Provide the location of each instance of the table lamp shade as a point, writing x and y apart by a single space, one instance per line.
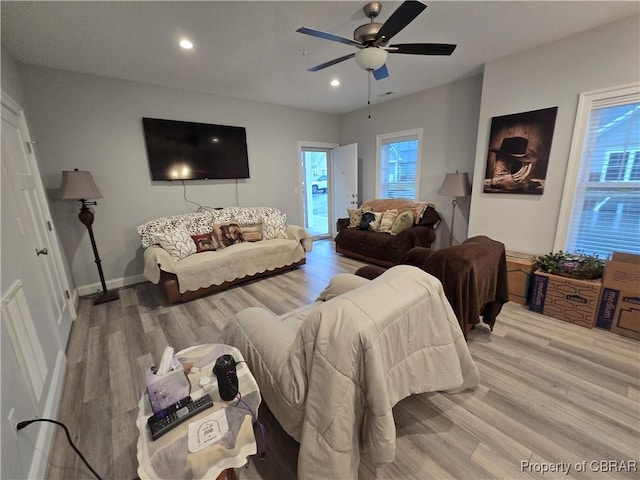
455 185
78 185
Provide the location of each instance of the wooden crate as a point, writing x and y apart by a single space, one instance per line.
519 270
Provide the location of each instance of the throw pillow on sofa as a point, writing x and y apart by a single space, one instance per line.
177 242
252 233
227 234
355 217
204 242
274 225
430 217
403 221
386 222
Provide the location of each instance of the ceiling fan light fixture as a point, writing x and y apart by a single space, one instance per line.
371 58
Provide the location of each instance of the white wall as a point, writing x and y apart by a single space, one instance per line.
547 76
448 116
94 123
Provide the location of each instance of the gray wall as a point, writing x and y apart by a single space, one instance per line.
10 80
448 116
547 76
94 123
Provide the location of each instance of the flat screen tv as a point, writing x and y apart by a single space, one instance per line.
195 151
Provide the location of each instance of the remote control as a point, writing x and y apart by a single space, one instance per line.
173 407
159 425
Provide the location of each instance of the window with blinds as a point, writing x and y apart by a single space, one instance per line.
605 211
398 164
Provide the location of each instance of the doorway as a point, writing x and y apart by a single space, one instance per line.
315 163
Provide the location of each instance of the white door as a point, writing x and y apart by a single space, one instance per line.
20 166
345 181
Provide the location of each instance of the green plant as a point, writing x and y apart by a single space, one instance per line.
574 265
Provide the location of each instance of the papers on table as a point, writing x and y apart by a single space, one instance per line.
208 430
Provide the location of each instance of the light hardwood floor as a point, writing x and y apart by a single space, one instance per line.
550 392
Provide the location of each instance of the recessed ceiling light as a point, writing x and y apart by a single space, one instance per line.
186 44
335 82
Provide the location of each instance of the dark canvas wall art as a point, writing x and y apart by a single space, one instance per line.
518 156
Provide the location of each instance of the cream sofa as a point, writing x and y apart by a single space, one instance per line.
332 371
183 274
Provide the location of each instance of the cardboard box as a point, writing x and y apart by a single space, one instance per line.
519 270
568 299
619 309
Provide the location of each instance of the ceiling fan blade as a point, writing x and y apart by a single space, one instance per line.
331 62
399 19
381 72
422 48
329 36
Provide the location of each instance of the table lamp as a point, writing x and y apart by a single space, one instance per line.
454 185
78 185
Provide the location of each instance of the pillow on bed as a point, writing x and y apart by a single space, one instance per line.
339 284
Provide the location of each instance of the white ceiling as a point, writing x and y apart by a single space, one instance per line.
251 50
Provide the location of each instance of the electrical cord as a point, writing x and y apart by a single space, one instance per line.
201 208
26 423
184 194
254 416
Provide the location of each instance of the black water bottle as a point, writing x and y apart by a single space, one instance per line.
225 371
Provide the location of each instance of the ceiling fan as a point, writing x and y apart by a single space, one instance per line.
372 38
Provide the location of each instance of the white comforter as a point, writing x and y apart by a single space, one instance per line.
333 383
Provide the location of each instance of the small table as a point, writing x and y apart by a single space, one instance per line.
168 457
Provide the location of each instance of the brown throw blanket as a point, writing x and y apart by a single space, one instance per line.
473 274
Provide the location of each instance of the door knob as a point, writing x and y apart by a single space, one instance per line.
42 251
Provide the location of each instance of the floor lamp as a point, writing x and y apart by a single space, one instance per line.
454 185
77 185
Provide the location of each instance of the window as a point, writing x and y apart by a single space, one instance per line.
398 171
600 210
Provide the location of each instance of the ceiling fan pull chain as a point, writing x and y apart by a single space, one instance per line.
369 92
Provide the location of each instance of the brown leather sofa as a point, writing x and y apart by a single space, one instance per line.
384 249
473 274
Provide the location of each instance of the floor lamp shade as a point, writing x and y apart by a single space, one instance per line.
78 185
454 185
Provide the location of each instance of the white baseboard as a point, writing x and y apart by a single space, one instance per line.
40 459
111 284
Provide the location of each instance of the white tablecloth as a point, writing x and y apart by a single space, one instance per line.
168 457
